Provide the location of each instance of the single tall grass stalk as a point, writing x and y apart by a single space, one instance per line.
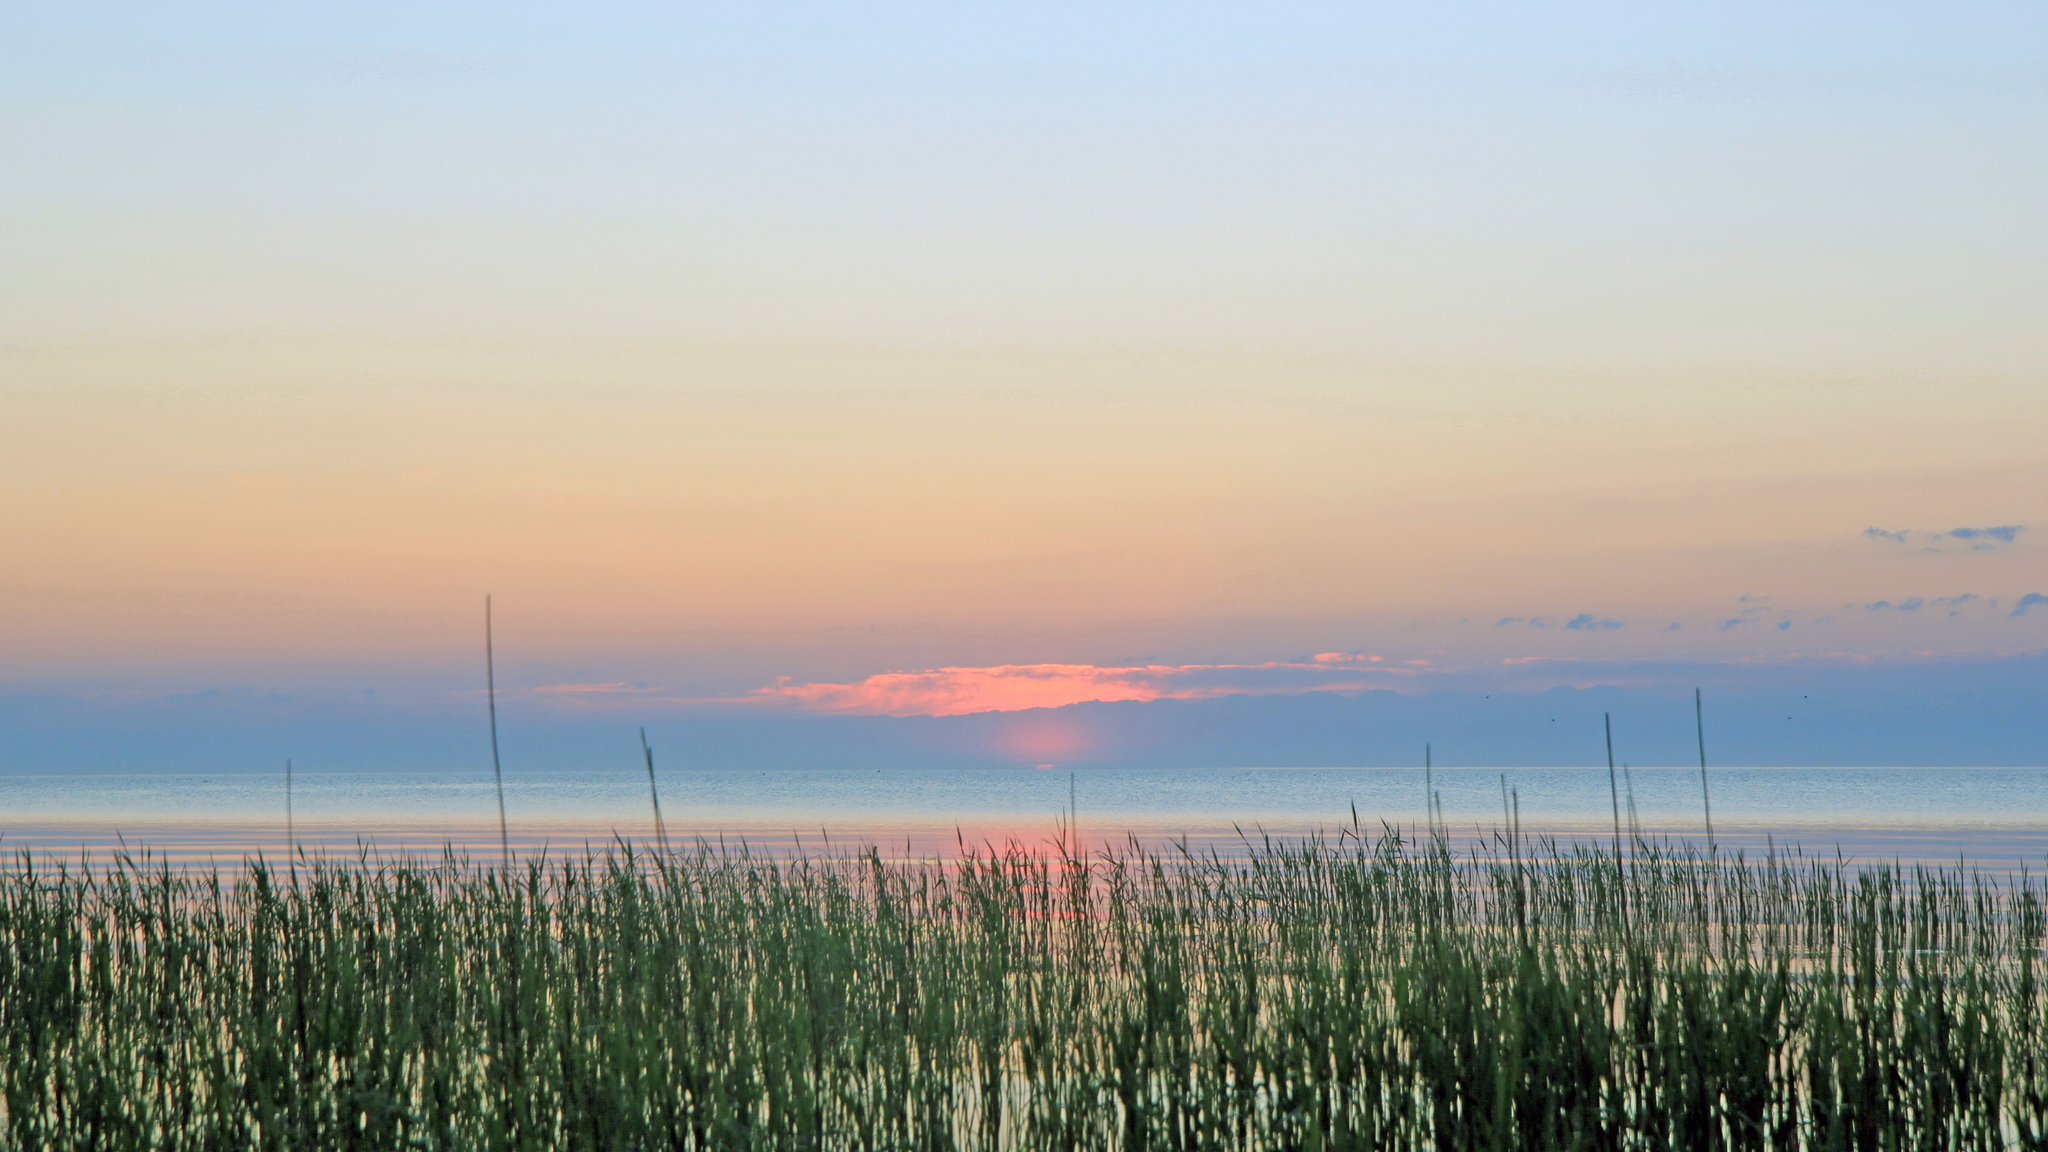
1429 802
654 794
491 702
1614 796
1699 724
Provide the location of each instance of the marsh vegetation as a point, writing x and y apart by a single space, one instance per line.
1359 991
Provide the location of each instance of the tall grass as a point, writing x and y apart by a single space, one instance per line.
1356 992
491 704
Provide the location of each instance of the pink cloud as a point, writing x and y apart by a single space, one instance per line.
1012 687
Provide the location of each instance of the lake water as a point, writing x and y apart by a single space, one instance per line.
1995 816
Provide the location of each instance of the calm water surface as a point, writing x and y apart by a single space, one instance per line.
1997 816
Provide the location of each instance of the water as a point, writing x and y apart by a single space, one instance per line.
1995 816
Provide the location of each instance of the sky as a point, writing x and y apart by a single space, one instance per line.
800 362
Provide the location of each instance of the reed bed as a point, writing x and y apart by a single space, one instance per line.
1361 991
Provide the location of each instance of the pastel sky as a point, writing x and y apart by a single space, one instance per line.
922 359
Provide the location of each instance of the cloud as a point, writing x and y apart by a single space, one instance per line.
1971 539
2028 603
1582 621
1954 604
1013 687
1759 607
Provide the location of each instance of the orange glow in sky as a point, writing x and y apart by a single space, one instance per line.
1012 687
